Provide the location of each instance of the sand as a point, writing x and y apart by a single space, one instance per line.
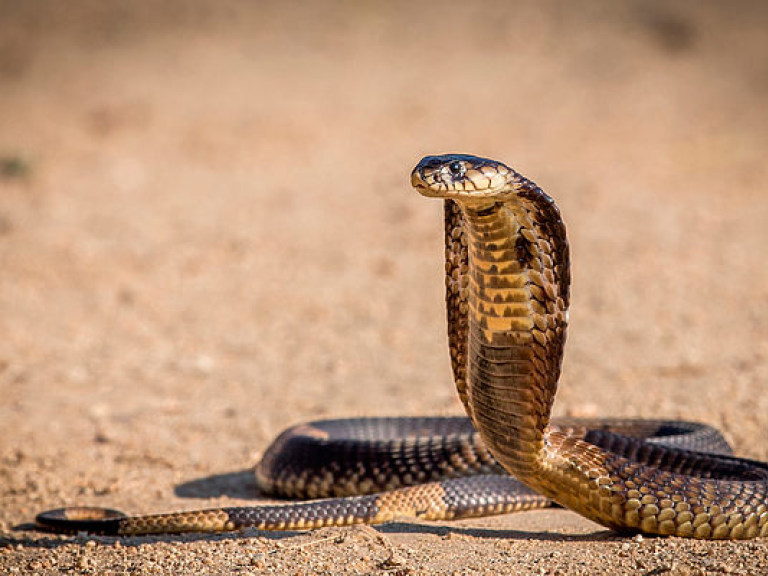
207 234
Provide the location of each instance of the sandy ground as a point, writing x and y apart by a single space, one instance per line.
207 234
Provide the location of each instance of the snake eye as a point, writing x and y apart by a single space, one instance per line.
457 169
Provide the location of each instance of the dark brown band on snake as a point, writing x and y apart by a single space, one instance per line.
508 281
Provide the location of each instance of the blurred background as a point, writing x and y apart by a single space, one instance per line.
207 231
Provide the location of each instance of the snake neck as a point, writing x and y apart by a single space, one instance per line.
515 302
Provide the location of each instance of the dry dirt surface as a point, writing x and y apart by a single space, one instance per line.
207 234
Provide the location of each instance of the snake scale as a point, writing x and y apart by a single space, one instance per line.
508 280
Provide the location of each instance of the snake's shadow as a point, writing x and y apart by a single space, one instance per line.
441 531
241 485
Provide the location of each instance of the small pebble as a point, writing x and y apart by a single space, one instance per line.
393 560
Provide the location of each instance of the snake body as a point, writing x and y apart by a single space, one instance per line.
507 297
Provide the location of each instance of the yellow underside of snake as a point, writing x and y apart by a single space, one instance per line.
507 296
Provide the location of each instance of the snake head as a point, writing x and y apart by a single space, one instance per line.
463 177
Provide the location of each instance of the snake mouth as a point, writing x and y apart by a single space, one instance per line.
462 177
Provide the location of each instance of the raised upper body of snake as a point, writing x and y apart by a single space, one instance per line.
507 277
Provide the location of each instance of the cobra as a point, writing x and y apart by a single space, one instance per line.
507 296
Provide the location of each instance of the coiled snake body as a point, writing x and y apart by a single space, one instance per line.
507 278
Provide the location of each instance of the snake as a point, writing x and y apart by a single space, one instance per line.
507 272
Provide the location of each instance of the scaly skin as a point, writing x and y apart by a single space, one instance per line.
515 321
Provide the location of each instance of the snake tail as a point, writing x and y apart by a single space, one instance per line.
446 500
